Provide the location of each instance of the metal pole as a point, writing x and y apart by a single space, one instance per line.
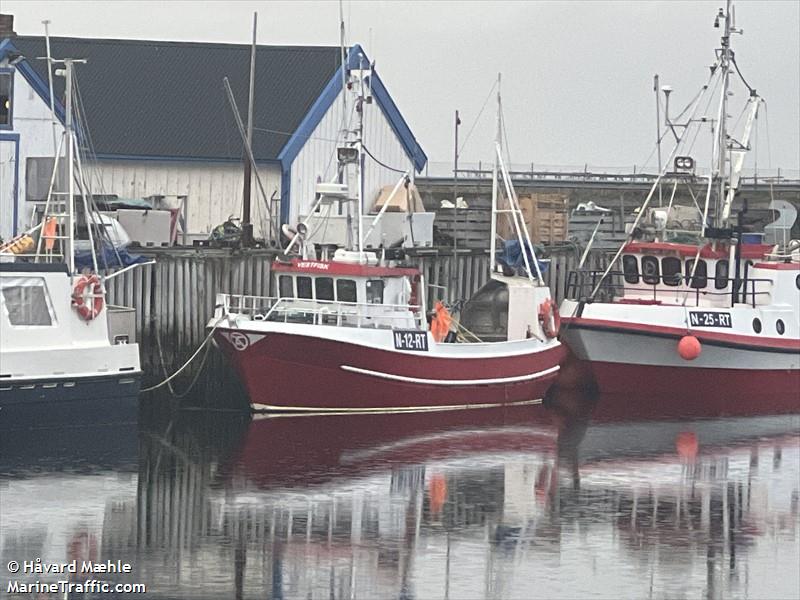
71 173
493 225
247 227
658 132
455 191
50 84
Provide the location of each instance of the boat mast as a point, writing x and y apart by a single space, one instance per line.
360 163
493 231
722 130
247 226
70 170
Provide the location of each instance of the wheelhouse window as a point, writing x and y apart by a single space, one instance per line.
650 270
6 98
304 287
375 291
26 302
700 279
285 286
671 270
346 290
721 275
323 288
630 268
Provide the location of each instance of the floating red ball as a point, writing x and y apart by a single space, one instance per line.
689 347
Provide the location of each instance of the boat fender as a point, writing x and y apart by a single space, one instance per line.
87 297
689 347
550 318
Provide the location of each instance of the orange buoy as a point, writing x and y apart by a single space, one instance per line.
687 445
437 492
689 347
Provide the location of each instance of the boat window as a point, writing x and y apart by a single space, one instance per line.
26 302
304 287
374 291
346 290
721 275
285 286
323 288
630 268
700 273
650 272
671 269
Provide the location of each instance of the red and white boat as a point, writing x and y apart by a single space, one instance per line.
351 333
717 318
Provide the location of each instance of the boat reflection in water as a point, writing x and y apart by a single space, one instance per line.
469 504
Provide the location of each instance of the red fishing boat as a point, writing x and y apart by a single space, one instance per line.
702 312
351 333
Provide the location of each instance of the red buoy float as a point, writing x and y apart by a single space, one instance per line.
689 347
87 297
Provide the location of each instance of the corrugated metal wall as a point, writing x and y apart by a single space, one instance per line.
214 190
318 156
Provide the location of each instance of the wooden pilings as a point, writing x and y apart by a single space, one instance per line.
174 298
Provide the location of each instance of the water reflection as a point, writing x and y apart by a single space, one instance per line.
477 504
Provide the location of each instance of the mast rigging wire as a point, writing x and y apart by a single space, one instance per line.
480 112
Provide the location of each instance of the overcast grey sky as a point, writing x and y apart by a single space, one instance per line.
577 76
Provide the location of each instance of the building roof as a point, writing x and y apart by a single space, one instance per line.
156 99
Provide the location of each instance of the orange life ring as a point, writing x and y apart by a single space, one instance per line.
549 318
87 297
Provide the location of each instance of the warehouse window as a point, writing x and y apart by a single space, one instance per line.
6 98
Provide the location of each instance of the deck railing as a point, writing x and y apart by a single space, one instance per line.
324 312
581 284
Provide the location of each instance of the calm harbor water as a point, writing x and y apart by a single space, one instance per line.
522 503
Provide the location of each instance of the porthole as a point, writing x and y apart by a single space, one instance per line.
780 327
797 282
757 325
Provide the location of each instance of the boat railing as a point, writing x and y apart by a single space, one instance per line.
324 312
748 290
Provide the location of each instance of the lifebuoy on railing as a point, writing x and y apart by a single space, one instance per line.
549 318
87 297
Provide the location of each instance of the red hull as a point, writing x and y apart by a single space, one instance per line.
291 371
695 392
309 450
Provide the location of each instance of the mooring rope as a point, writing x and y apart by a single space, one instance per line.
168 380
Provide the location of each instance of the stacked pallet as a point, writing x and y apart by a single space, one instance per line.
545 216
